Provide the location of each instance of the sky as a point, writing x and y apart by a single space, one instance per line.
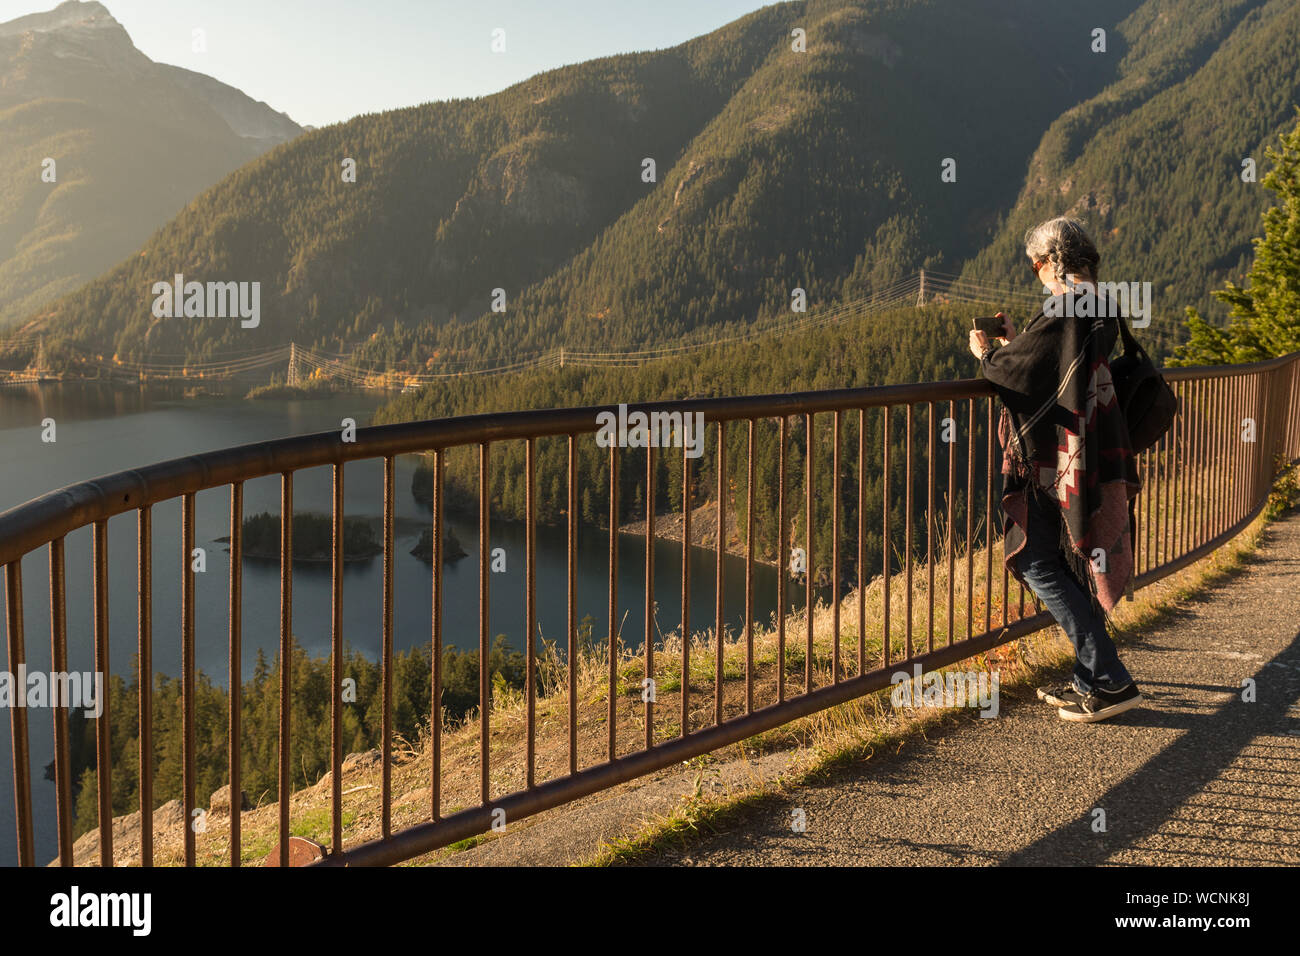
325 61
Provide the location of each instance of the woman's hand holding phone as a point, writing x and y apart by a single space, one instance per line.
998 327
1007 327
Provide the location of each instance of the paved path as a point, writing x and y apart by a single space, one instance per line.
1197 776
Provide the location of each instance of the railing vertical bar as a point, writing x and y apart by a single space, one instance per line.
1173 450
188 686
1243 456
1230 435
835 547
435 696
1006 601
988 522
286 656
1294 415
59 663
1257 405
952 493
484 691
929 526
1261 430
721 543
18 720
1148 463
571 627
530 611
144 648
1177 472
886 639
235 650
1182 469
648 640
1265 429
1188 470
862 541
612 709
970 515
782 560
386 729
810 596
1135 527
907 525
1206 444
1214 475
1221 489
687 507
103 725
749 575
1191 507
336 660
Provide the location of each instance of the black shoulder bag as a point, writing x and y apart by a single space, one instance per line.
1149 404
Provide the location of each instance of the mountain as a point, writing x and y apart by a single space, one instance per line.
776 169
132 142
1153 163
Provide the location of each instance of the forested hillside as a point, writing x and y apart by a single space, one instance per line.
100 146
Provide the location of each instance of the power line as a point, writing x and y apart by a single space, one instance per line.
931 286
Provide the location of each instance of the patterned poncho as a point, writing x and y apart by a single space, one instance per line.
1064 437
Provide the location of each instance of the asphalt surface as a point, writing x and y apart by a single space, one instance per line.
1196 776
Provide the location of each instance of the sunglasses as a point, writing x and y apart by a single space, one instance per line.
1035 266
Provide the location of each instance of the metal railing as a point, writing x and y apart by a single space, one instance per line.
1203 483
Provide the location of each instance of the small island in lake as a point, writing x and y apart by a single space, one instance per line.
313 538
451 549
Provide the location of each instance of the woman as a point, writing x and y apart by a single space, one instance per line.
1069 472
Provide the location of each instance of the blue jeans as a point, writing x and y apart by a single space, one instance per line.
1097 664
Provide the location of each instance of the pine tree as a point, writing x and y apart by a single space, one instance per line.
1265 318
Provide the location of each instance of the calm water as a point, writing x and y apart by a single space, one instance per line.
100 431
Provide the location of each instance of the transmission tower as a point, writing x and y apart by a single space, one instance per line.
293 376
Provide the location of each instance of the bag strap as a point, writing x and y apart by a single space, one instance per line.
1130 343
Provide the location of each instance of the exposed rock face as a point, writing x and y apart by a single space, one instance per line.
251 119
219 803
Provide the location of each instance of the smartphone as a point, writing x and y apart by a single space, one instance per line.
993 326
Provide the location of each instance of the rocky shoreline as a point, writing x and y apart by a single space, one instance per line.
704 530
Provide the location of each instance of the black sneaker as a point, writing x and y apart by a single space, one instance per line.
1102 704
1060 695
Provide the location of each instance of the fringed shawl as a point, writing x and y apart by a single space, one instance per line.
1064 438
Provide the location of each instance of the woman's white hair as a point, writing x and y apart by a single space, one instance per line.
1065 243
